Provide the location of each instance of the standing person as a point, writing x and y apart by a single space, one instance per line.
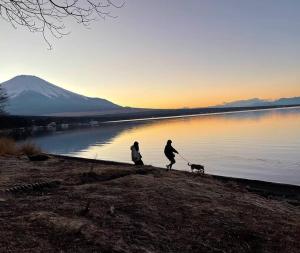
135 154
169 152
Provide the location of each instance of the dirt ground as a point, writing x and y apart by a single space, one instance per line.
69 205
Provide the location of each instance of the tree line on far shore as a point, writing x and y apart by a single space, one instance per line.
3 100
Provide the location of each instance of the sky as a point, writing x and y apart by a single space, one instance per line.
169 53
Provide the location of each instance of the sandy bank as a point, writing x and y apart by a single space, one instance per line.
140 210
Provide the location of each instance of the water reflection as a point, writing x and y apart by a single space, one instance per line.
74 141
259 145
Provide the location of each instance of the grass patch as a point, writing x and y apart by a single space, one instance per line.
29 148
9 147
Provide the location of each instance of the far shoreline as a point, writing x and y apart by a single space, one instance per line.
28 123
203 114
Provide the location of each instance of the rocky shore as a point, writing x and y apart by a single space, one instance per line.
79 205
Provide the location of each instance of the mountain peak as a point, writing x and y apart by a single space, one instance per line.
31 95
27 83
26 76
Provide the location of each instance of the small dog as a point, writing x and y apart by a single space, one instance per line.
198 167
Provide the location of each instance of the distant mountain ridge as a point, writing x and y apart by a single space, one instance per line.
262 102
31 95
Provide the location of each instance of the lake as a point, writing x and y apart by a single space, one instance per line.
263 145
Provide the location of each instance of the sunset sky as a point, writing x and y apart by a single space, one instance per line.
169 53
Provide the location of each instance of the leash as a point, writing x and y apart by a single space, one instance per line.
184 158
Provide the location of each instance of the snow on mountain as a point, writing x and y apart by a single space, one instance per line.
20 84
30 95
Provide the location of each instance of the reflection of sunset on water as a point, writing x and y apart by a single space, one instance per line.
253 124
258 145
238 144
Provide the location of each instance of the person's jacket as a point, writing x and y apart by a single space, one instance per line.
169 151
135 155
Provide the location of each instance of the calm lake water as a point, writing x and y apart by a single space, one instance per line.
263 145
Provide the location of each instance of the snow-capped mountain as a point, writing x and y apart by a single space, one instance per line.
30 95
20 84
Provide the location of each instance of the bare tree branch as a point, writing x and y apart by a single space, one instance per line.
48 16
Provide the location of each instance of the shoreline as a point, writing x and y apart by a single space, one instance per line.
11 122
223 178
263 188
204 114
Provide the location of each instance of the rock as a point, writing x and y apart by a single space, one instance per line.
38 157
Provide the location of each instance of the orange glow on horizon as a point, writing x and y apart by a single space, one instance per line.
197 99
199 94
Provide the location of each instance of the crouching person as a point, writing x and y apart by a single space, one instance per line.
135 154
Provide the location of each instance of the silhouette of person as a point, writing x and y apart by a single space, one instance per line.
135 154
169 153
